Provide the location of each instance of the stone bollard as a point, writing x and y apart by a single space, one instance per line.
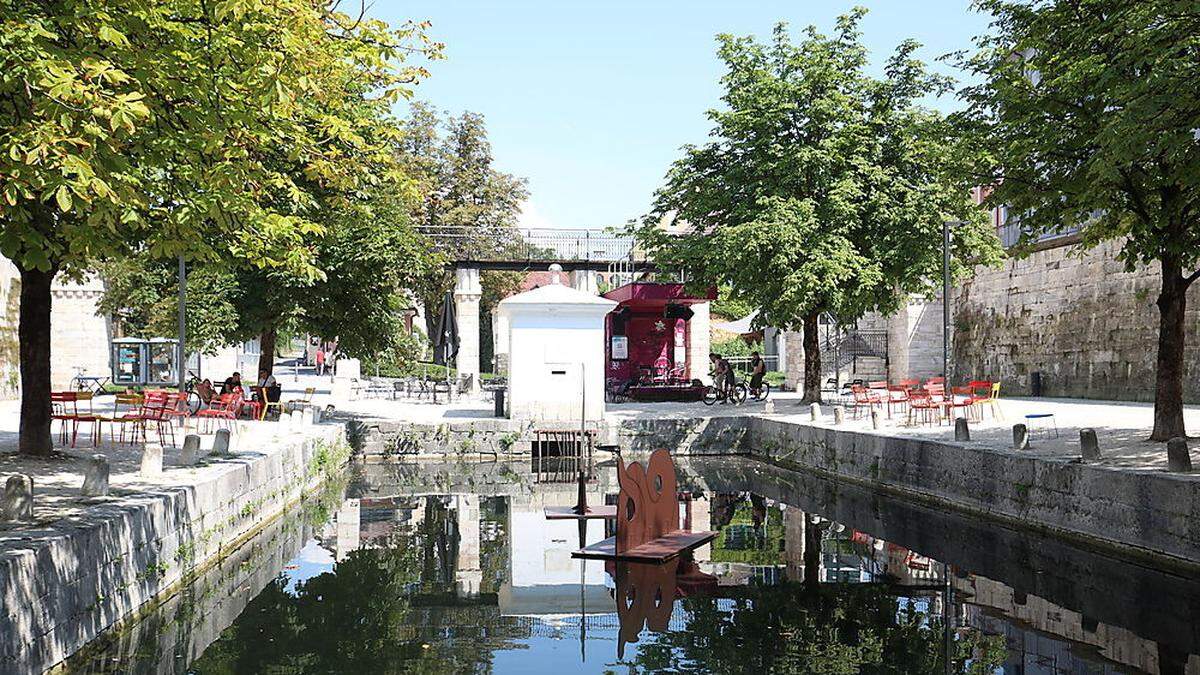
221 442
152 459
317 414
306 416
191 449
839 415
18 499
962 432
1020 437
95 477
769 407
814 411
1178 457
874 419
284 420
1089 447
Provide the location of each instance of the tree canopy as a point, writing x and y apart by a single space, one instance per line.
181 127
1089 114
824 190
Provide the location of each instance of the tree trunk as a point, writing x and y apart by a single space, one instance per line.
812 359
33 333
266 357
1168 385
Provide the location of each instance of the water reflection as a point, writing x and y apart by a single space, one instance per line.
804 576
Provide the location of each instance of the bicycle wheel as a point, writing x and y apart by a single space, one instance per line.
763 392
711 395
193 402
738 393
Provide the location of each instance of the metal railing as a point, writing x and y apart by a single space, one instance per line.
847 346
519 244
742 363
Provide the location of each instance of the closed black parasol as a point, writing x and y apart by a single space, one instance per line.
445 343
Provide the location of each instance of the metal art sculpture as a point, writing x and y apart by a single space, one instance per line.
647 519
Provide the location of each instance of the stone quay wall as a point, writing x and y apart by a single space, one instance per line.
1137 513
1088 325
65 583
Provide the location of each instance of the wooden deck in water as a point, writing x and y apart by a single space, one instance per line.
657 550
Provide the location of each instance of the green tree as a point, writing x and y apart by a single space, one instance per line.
155 126
464 197
824 190
1090 111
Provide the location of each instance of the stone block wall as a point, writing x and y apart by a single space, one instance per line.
1081 319
77 581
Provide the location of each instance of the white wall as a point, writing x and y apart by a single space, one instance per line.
546 353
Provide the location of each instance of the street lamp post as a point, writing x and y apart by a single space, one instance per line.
946 225
182 323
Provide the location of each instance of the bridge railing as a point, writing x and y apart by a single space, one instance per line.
516 244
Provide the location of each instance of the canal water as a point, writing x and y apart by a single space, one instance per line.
452 568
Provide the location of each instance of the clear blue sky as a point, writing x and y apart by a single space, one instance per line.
591 100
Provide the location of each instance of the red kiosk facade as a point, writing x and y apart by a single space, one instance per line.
647 345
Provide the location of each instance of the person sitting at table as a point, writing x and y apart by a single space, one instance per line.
266 380
204 389
232 383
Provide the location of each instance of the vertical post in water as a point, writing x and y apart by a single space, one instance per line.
182 362
946 302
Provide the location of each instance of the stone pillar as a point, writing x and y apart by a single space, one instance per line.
467 572
700 341
500 342
585 280
701 509
349 520
793 354
794 522
467 292
897 346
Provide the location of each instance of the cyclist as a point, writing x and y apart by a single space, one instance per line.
758 370
722 375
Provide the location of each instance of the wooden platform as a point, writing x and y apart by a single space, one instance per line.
568 513
654 551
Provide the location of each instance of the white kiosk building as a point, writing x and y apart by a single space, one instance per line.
555 340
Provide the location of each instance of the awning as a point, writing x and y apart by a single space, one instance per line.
655 296
742 326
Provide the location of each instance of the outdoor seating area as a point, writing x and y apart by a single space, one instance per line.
133 414
923 403
416 388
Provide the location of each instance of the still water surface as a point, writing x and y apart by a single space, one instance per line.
452 568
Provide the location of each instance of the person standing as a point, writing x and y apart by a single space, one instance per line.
758 370
320 359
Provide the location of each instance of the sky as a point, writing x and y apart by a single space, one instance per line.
590 101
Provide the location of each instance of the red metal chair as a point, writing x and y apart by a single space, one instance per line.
961 397
63 407
897 396
921 404
154 410
861 396
223 409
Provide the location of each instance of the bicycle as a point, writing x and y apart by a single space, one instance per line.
761 393
736 394
193 399
89 383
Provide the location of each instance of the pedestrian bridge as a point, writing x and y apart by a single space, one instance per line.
521 248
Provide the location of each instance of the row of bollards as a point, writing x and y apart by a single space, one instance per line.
16 505
1179 458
